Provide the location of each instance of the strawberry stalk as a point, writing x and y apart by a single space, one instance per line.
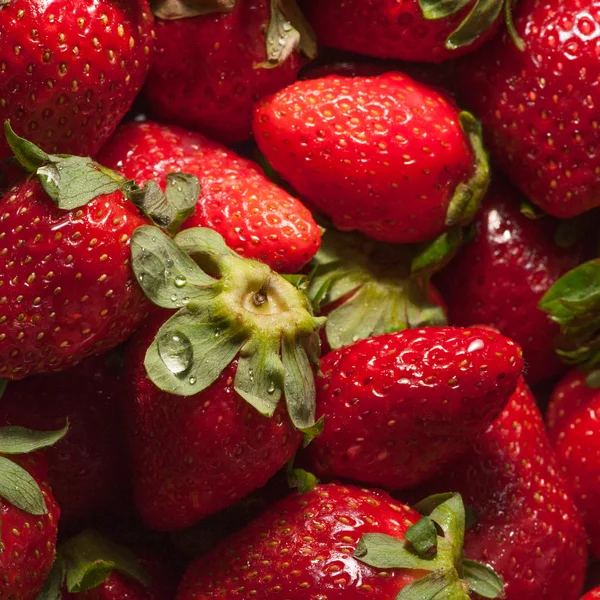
228 307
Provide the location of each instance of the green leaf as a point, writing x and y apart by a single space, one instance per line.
300 282
168 276
423 537
20 489
448 511
3 386
440 9
299 383
484 581
91 558
52 589
28 154
593 379
300 479
510 26
442 585
205 246
480 19
386 552
531 211
436 254
310 433
185 9
18 440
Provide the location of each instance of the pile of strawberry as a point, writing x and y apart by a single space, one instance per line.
299 299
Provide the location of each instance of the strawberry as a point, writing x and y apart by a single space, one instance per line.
341 542
527 529
398 408
384 155
28 512
572 428
411 30
538 106
207 419
256 218
68 291
70 69
86 468
592 595
500 277
216 58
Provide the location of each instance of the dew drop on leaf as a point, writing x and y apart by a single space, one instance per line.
180 281
176 352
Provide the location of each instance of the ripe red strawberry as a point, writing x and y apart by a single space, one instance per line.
500 277
211 69
257 218
592 595
538 107
206 392
322 545
411 30
86 469
573 429
527 529
384 155
70 69
66 286
398 408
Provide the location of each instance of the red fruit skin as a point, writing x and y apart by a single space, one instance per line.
86 468
71 69
400 407
206 74
195 455
258 219
538 107
388 29
121 587
302 548
499 278
528 528
67 290
381 155
592 595
572 422
28 542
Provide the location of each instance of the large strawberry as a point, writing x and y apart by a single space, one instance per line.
538 107
384 155
28 512
572 422
215 59
398 408
411 30
341 542
66 286
86 469
208 420
70 69
499 278
257 218
527 528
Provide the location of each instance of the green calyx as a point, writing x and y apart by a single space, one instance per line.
17 486
184 9
480 19
87 561
371 288
228 307
433 544
287 31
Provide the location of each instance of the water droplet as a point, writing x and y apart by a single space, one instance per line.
192 380
281 42
180 281
169 262
173 298
217 332
175 350
271 388
287 26
141 276
251 374
179 188
475 345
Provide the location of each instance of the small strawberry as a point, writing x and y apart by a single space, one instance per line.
28 512
411 30
86 468
572 421
256 218
384 155
66 286
398 408
527 529
341 542
71 69
500 277
538 106
208 420
216 58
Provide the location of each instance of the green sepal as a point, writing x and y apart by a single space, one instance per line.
435 255
310 433
19 440
482 580
28 154
299 479
20 489
532 211
510 26
423 537
440 9
287 31
299 384
468 195
441 585
3 386
4 3
185 9
90 558
53 585
592 379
